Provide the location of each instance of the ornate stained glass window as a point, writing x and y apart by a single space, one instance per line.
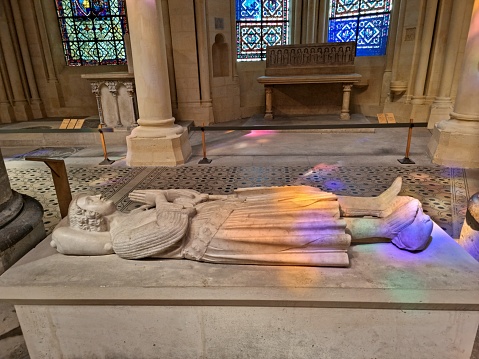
92 31
363 21
260 23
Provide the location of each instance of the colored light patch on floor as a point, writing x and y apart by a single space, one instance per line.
261 133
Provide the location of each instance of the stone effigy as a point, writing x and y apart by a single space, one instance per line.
297 225
469 237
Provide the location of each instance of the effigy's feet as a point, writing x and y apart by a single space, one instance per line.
380 206
410 228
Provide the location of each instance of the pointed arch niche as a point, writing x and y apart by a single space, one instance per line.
220 57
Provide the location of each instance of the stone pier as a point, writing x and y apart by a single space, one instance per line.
21 225
455 141
157 141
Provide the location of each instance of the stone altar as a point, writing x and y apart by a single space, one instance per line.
328 63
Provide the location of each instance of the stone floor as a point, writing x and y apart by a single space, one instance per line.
360 163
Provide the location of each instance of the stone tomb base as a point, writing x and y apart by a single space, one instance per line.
388 304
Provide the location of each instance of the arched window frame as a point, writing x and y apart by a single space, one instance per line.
364 21
92 31
260 23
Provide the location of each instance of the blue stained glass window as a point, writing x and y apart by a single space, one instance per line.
260 23
363 21
92 31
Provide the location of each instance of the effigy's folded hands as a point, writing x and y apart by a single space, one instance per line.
148 197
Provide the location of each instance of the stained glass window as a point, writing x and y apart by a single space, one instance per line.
92 31
260 23
363 21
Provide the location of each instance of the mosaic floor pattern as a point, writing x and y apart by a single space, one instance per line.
443 191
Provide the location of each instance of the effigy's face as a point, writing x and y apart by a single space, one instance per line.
473 206
97 204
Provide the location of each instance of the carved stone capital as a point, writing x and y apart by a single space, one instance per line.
130 87
112 87
95 87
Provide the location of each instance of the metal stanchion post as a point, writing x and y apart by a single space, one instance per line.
406 160
106 160
204 160
60 181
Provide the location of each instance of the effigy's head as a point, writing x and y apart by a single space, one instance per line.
473 206
88 213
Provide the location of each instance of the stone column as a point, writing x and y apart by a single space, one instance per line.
35 101
311 15
442 105
346 99
268 90
394 29
130 89
21 107
21 225
455 141
157 141
424 52
112 87
203 60
6 110
95 88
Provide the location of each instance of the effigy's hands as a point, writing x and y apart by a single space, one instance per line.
147 197
186 197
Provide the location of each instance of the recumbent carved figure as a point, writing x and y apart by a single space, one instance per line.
297 225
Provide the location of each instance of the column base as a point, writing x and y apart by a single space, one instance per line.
38 109
7 115
454 143
440 110
344 116
200 111
158 151
22 233
420 112
23 111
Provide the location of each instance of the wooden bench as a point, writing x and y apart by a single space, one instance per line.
310 64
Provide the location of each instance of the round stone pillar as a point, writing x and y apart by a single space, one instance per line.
21 225
442 105
157 141
455 141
